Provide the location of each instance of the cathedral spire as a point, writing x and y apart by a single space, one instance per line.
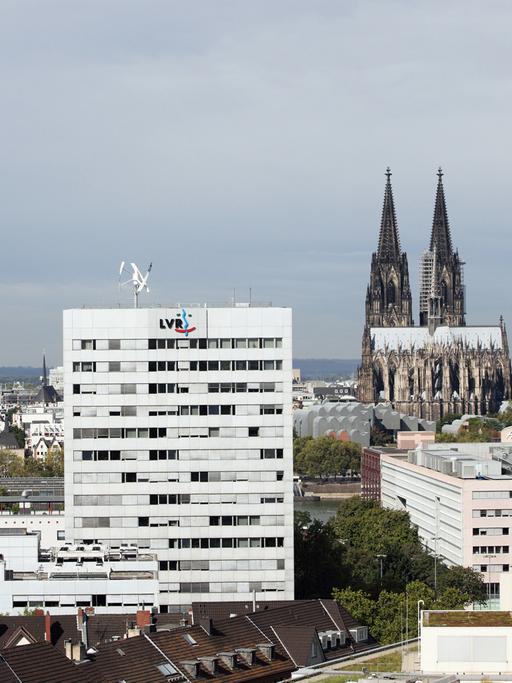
441 239
388 297
389 240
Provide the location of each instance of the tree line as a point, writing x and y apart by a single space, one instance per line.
12 465
325 457
344 558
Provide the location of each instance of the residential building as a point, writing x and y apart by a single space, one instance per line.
266 646
460 500
178 439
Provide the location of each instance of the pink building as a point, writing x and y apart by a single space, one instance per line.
459 499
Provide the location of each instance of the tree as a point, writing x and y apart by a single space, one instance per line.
318 558
358 603
11 465
54 463
465 580
326 456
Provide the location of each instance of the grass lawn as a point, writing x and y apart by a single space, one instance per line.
389 661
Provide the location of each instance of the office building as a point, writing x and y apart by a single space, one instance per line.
460 500
179 440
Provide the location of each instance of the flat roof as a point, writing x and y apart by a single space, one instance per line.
466 618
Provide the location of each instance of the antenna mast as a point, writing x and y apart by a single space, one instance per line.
138 281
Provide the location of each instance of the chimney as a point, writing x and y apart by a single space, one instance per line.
143 618
78 651
228 659
81 625
133 631
191 667
67 648
210 663
247 654
267 649
207 625
48 627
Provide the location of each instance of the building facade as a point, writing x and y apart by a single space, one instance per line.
460 502
443 366
179 439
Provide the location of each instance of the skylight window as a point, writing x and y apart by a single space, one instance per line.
166 669
189 639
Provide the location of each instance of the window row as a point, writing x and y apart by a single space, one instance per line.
100 600
492 513
177 366
490 549
220 565
481 495
175 432
222 587
491 567
172 388
142 344
491 531
182 477
236 476
224 343
206 543
244 520
133 411
244 387
171 454
195 521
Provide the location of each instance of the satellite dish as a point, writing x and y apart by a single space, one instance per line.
138 281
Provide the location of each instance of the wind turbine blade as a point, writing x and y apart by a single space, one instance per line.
121 268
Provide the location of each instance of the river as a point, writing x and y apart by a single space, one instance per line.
322 510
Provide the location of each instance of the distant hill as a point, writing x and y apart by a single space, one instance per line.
20 372
326 368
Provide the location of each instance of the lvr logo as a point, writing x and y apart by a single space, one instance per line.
180 323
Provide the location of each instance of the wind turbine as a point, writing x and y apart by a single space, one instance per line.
138 281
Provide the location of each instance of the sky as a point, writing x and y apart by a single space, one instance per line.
242 146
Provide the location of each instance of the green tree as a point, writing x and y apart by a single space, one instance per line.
11 465
358 603
465 580
54 463
318 558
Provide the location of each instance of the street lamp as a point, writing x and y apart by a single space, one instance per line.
435 539
422 603
381 559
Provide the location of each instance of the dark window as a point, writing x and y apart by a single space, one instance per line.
143 521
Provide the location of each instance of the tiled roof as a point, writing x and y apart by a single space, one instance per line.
224 610
100 627
297 641
41 663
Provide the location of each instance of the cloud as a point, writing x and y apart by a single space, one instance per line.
243 145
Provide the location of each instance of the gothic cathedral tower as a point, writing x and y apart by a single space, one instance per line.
388 297
442 284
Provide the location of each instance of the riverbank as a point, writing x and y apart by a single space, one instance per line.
332 491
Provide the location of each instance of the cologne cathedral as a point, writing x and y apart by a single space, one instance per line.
443 365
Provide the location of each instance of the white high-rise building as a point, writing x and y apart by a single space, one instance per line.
178 426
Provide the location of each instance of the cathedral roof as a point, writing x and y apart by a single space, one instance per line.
441 239
396 338
389 240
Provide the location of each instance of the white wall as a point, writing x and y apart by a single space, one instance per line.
480 650
47 525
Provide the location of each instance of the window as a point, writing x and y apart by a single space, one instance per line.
166 669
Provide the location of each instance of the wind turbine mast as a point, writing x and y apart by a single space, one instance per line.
138 281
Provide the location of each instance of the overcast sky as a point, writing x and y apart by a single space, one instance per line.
242 144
